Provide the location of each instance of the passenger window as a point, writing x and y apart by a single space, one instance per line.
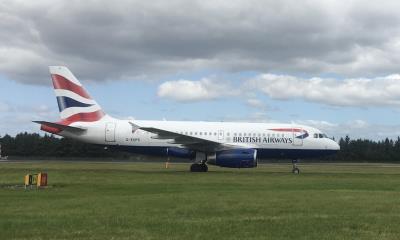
315 135
195 133
240 134
200 133
235 134
215 134
320 135
244 134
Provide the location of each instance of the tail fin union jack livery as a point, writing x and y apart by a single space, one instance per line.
225 144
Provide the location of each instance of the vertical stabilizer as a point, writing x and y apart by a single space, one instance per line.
74 102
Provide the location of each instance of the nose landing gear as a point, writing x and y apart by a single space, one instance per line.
295 169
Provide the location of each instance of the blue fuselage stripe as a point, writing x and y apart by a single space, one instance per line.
262 153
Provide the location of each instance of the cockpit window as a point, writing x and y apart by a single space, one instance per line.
320 135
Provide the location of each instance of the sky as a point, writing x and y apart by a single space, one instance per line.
333 65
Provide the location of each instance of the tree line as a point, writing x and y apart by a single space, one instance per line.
32 145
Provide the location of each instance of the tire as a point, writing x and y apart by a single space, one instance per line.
195 167
204 167
296 171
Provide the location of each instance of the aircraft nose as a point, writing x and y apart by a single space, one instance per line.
334 146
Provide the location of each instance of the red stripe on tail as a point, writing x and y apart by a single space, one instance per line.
60 82
49 129
79 117
83 117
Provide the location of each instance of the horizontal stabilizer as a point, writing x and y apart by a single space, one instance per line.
61 127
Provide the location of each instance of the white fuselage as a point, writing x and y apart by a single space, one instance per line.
121 133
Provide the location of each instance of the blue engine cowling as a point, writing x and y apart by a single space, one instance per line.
180 152
236 158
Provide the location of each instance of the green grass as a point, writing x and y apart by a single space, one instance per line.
145 201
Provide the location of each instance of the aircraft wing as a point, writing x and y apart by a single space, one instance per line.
195 143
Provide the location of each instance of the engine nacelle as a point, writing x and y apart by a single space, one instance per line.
180 152
236 158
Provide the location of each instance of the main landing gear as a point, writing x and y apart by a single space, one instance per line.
199 164
295 169
199 167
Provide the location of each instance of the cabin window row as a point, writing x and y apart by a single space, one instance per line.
228 134
199 133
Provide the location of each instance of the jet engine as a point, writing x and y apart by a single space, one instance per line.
235 158
180 152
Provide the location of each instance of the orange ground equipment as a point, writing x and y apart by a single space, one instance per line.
40 180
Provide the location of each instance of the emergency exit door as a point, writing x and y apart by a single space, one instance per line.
110 132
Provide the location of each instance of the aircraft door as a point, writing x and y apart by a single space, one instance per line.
297 137
110 132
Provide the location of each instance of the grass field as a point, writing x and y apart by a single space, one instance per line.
145 201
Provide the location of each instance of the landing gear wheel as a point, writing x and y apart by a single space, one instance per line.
204 167
296 170
196 167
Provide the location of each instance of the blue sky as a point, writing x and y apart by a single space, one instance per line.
330 65
139 100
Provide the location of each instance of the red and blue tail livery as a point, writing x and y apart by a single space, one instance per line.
74 102
225 144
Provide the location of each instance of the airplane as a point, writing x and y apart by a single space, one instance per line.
225 144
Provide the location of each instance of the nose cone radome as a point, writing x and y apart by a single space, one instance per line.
334 146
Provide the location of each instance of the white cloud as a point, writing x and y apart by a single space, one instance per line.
351 92
185 90
320 124
106 40
19 118
256 103
4 107
357 128
360 92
